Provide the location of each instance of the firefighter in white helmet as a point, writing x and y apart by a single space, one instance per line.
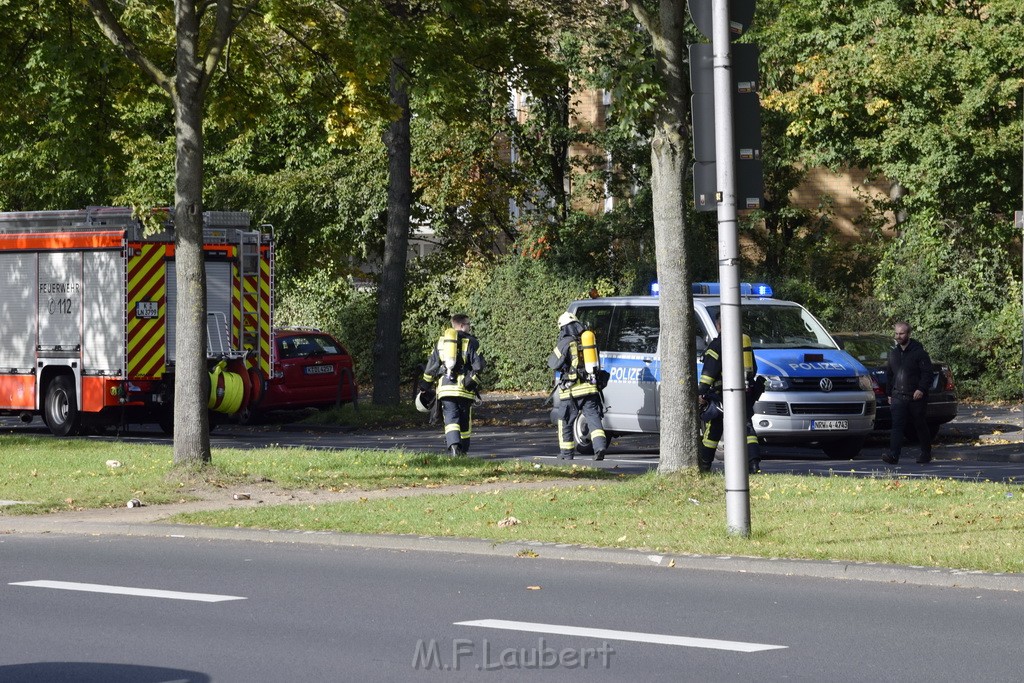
452 372
579 380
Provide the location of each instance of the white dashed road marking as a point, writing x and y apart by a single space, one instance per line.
633 636
127 590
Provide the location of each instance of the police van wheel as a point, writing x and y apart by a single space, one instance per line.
61 410
843 450
581 435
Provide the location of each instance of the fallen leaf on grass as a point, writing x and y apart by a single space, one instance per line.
508 521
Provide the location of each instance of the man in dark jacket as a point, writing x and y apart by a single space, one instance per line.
908 378
454 367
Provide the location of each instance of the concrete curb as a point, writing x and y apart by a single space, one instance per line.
834 569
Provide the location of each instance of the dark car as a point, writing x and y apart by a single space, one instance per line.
311 370
872 350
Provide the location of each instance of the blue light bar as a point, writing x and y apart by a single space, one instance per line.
759 289
746 289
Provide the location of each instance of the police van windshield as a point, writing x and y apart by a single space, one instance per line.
781 327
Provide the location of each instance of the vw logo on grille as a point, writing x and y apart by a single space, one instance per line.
825 384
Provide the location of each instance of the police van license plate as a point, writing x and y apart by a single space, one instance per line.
829 425
319 369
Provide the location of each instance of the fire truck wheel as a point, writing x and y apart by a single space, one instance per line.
61 409
166 422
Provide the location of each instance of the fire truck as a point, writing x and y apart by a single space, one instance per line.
87 316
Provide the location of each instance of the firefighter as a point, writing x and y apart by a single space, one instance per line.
710 394
578 388
452 373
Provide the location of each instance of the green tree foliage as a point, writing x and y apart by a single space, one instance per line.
926 95
963 299
71 107
517 317
514 304
572 164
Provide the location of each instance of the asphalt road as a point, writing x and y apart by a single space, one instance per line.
84 609
200 605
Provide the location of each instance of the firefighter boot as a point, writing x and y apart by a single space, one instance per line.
565 455
705 457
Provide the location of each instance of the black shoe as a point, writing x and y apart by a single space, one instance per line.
754 467
924 459
890 458
598 455
565 456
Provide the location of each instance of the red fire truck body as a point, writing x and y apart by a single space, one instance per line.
88 316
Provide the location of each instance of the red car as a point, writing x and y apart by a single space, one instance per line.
311 370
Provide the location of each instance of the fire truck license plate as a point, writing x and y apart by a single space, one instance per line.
319 369
829 425
146 309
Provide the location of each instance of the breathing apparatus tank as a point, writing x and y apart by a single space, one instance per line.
450 351
748 361
591 360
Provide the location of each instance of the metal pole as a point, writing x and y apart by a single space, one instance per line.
737 491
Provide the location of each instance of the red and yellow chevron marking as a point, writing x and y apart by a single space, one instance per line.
245 312
236 307
265 318
147 285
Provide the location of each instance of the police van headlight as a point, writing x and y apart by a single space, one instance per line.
775 383
864 382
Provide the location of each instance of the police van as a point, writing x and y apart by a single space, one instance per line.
815 392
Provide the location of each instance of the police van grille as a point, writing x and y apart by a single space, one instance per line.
814 383
827 408
772 408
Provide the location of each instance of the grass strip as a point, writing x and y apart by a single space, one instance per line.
50 475
940 523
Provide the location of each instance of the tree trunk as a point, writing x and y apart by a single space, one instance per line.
391 290
678 407
187 93
191 420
